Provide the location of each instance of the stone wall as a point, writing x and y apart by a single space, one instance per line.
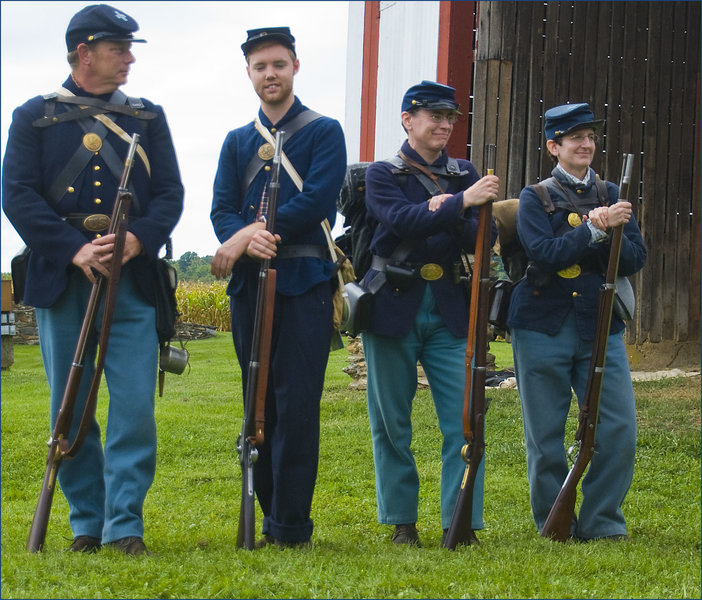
26 326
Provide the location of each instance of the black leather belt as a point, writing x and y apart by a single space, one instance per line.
92 223
302 251
427 271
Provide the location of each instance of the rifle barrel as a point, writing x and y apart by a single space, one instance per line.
59 447
560 518
460 530
252 430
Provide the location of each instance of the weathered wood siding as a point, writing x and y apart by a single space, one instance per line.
638 66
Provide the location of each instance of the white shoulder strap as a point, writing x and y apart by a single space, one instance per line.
287 165
297 180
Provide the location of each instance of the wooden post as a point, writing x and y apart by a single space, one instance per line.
8 325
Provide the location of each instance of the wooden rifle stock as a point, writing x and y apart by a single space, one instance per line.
560 518
252 430
59 447
460 530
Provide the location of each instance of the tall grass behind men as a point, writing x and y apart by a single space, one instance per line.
552 319
61 172
420 313
286 470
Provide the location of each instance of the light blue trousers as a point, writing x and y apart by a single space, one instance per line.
106 490
547 367
392 384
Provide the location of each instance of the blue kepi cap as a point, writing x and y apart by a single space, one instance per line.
430 95
281 35
100 22
559 120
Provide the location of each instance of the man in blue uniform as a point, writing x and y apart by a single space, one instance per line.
60 177
420 312
286 470
552 319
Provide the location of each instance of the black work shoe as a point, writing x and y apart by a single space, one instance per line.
85 543
472 540
269 540
282 544
266 540
131 545
406 533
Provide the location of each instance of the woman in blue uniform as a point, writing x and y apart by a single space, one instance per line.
420 313
552 319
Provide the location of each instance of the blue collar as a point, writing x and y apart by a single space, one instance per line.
71 86
295 109
439 162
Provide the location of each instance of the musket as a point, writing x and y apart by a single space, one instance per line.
560 517
252 429
59 447
460 530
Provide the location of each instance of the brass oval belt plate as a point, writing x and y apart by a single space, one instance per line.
266 151
431 272
570 272
92 142
574 219
96 222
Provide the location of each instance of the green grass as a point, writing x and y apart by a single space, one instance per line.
191 512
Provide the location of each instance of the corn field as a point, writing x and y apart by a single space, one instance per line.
204 303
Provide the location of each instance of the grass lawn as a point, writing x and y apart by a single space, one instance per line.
191 512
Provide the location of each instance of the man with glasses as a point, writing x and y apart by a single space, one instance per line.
420 309
552 320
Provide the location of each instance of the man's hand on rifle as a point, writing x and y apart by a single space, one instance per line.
241 243
132 247
88 260
97 255
604 217
263 245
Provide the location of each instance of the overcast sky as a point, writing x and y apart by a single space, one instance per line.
193 66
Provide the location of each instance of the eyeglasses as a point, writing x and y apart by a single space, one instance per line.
438 117
579 138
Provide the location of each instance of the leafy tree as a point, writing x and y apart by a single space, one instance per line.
186 259
192 267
